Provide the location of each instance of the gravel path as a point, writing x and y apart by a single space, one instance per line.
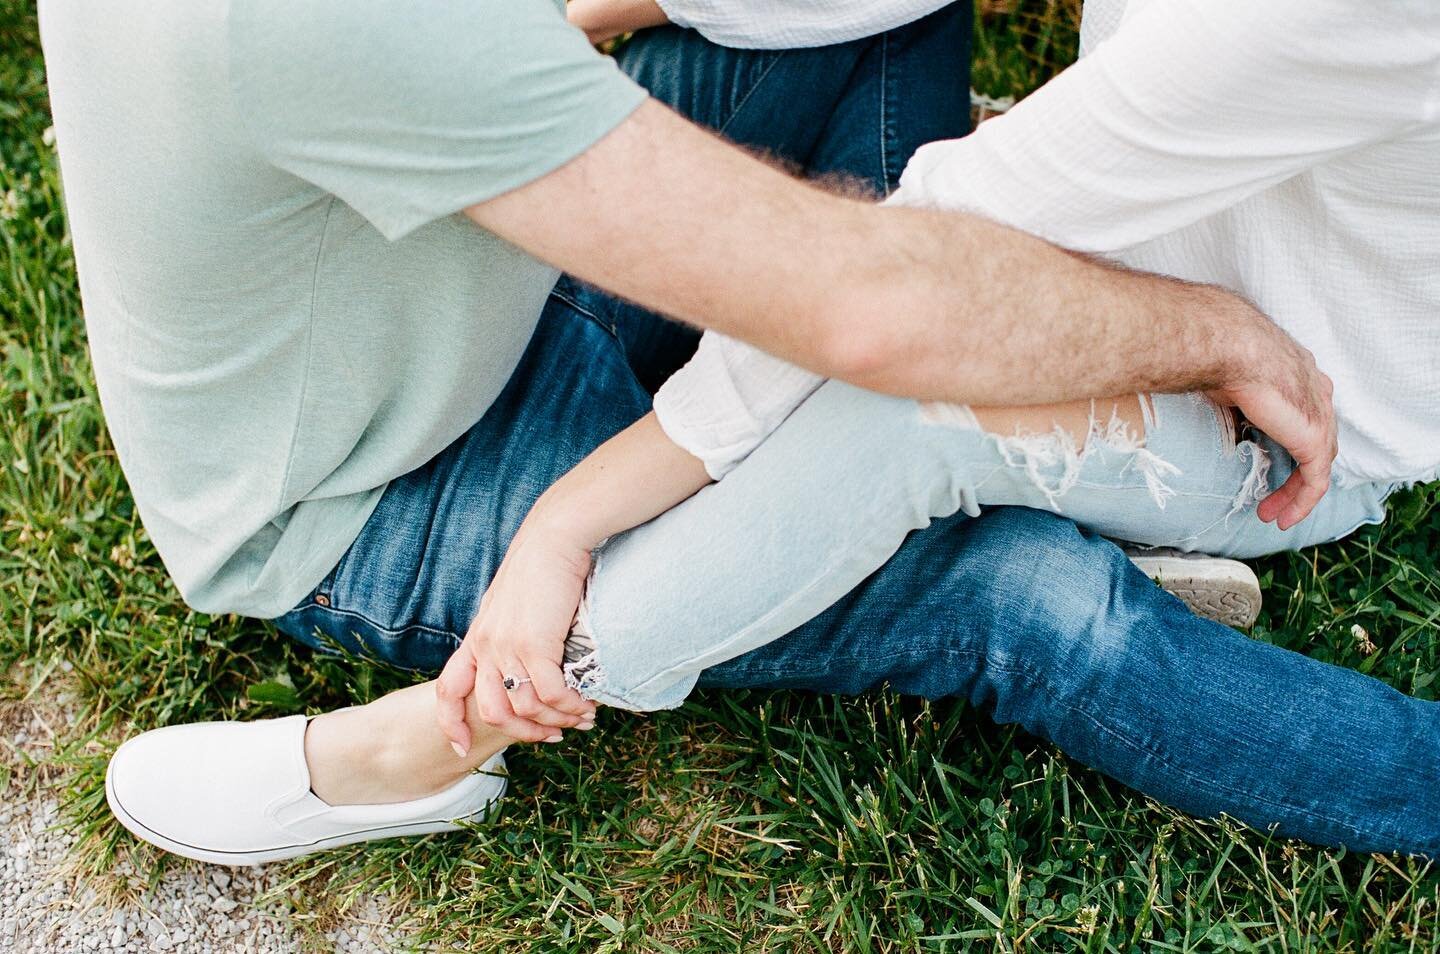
47 906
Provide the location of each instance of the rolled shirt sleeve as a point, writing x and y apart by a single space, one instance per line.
792 24
727 400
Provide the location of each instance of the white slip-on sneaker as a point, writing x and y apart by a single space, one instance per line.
1226 591
238 793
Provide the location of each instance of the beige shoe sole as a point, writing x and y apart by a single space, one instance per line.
1226 591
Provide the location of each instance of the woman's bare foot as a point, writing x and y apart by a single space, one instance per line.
391 750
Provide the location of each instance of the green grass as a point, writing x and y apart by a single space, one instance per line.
744 821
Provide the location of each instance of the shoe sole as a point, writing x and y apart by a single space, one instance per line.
240 859
1226 591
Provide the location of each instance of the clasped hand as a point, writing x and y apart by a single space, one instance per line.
519 633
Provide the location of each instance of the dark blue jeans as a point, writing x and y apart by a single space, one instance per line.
1018 611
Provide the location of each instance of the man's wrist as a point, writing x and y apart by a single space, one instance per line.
1241 345
1257 346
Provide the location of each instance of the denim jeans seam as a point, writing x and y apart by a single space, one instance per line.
884 137
1181 495
385 630
332 579
740 106
571 301
1140 485
1205 531
998 470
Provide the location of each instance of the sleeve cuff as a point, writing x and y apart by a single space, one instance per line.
685 438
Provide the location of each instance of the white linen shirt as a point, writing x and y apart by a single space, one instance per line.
788 24
1286 150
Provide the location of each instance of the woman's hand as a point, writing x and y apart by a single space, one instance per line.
520 633
604 20
526 613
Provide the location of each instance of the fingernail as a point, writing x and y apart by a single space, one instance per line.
555 738
459 749
586 726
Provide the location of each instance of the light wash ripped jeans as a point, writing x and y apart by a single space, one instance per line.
833 493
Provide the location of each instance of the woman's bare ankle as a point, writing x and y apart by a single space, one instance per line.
390 750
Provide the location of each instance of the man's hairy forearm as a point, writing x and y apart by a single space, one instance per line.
913 302
998 317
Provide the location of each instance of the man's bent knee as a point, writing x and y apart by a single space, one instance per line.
1055 620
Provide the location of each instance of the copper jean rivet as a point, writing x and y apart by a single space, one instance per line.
322 600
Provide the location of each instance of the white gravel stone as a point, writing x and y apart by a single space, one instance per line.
46 907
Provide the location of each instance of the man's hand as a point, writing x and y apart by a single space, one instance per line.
520 632
1290 399
604 20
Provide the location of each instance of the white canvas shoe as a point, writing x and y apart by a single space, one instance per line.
1226 591
238 793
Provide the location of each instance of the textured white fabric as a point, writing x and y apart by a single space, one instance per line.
721 405
791 24
1288 150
